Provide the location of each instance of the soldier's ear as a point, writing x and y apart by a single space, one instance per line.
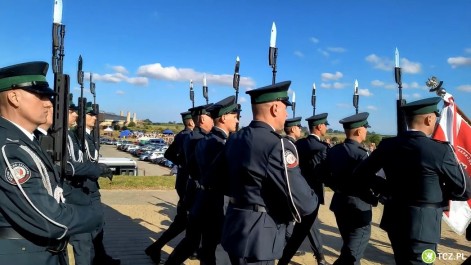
14 96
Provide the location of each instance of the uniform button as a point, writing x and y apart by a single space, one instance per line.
23 248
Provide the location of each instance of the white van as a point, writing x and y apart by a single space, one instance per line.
120 165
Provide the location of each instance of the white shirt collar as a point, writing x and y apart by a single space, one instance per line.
42 130
28 134
317 136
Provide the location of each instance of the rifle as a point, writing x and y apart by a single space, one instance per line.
61 87
401 119
192 94
96 109
235 85
313 99
82 102
356 97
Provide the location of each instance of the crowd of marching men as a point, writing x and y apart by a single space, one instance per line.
274 183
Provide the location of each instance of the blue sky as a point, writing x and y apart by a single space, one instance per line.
144 53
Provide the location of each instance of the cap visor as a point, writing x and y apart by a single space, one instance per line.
40 91
287 102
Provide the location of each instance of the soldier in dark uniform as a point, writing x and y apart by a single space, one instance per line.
174 153
422 174
207 214
34 220
266 186
203 125
91 155
351 208
312 155
78 185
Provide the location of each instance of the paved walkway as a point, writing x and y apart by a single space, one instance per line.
134 219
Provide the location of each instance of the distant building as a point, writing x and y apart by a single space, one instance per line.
110 119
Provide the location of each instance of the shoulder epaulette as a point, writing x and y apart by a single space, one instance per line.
277 134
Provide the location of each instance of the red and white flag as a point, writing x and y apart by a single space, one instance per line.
454 129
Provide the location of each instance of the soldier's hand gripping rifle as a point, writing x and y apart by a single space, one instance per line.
81 107
61 87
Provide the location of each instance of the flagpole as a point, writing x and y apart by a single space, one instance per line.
436 86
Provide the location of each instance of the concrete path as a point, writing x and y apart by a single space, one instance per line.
134 219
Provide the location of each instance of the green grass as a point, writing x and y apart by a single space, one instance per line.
138 183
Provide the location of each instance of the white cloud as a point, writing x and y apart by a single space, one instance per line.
119 77
335 85
377 83
459 61
414 85
120 92
464 88
171 73
410 67
388 64
241 100
120 69
336 49
371 107
298 54
321 51
364 92
338 85
314 40
331 77
467 50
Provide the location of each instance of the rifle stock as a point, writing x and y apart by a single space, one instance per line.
60 121
81 122
96 129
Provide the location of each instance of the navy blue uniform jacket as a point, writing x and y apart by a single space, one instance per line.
419 172
33 213
175 154
263 169
312 156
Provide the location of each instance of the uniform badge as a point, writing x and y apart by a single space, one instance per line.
22 173
290 158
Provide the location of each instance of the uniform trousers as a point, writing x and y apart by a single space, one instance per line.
176 227
307 227
409 252
205 222
355 229
82 245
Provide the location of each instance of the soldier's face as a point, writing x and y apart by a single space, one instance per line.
33 107
231 120
72 117
49 114
90 120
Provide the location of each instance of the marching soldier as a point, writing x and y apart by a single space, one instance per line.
77 184
422 174
312 155
203 125
265 183
293 129
207 214
350 205
34 220
91 155
174 153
